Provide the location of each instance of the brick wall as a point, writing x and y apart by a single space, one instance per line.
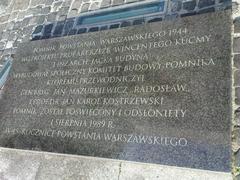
236 93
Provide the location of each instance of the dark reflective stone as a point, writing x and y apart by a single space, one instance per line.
176 5
58 29
155 20
114 26
38 29
125 24
138 22
224 1
188 14
102 28
36 38
189 5
48 28
68 26
72 32
82 30
47 31
93 29
205 3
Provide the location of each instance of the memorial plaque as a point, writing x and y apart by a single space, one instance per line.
156 93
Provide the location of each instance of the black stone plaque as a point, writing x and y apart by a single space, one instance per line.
156 93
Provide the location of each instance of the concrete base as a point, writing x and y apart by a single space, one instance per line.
30 165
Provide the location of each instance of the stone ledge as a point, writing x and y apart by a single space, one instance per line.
28 165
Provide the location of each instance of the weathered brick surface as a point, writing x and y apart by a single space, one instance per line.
105 3
237 94
26 21
56 6
67 3
21 4
37 2
237 117
236 45
4 18
237 25
5 35
2 45
236 60
3 5
94 6
2 27
49 2
51 17
237 78
21 15
73 13
17 25
85 7
118 2
13 16
62 12
77 4
37 20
